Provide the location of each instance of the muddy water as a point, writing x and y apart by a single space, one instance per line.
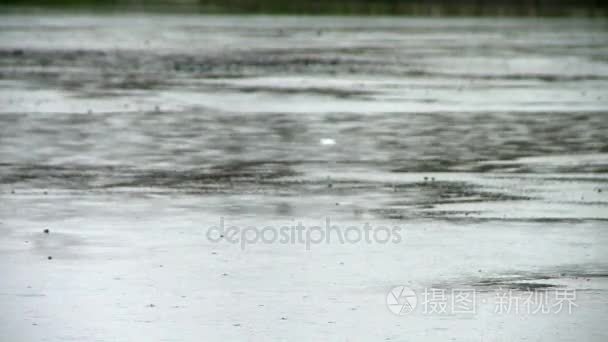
129 135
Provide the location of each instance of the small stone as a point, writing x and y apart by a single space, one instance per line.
283 318
46 231
50 257
225 274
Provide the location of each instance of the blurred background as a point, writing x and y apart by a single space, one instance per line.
343 7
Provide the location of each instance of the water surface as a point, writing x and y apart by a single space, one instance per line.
129 135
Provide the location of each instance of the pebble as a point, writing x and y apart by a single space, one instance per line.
50 257
46 231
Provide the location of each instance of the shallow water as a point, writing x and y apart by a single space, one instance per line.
129 135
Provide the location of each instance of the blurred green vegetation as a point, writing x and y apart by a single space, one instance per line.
332 7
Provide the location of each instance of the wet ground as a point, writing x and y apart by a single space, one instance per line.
128 136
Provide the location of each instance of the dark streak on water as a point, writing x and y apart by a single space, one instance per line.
157 110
